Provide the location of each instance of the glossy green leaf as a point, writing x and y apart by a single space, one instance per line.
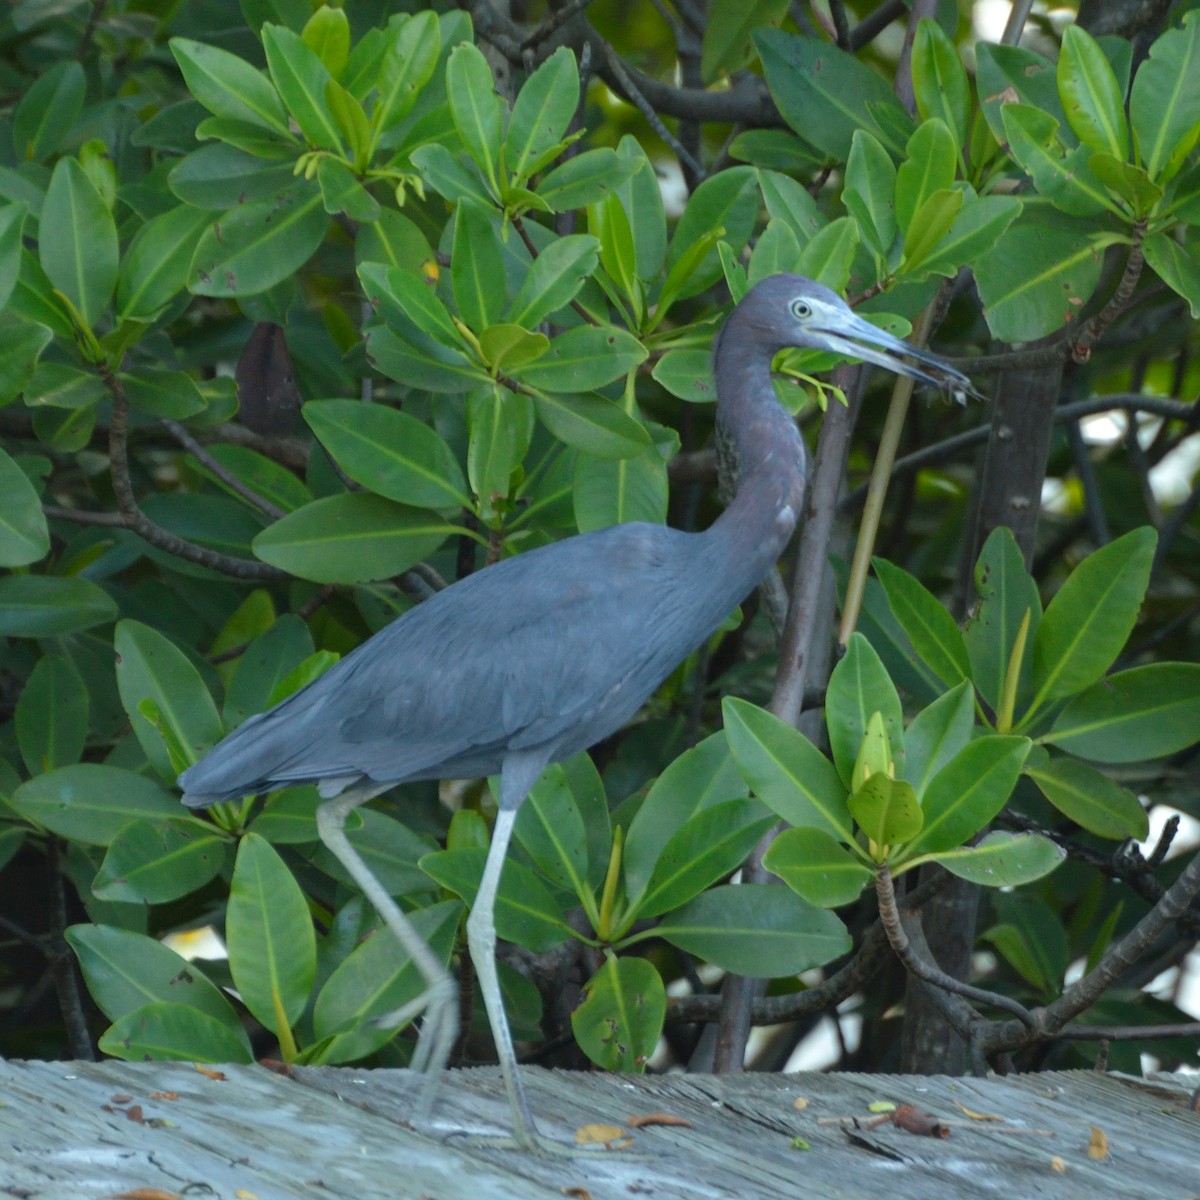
974 232
450 175
787 200
154 863
1063 176
541 113
24 342
785 770
930 165
63 385
828 257
1177 266
406 68
527 911
937 733
170 394
817 867
151 667
939 79
389 452
726 201
592 424
1135 715
51 716
621 1018
550 829
930 226
91 803
375 979
48 111
553 279
509 348
477 268
341 192
712 844
494 447
327 35
640 198
24 537
219 176
584 179
727 47
934 633
610 224
154 270
81 261
390 849
267 478
392 241
300 78
617 491
166 1031
858 687
125 970
35 606
269 934
229 86
1130 183
886 810
870 190
823 93
1032 938
1090 799
12 226
1164 106
266 660
411 307
351 538
758 930
687 374
776 250
1004 72
477 110
1090 619
968 792
1003 859
258 245
1090 94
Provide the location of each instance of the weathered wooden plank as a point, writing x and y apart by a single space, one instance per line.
337 1133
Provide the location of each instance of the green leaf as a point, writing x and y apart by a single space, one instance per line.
1003 859
48 111
389 452
24 342
553 279
786 771
374 980
149 666
271 480
727 47
477 268
341 192
1130 183
823 93
937 733
154 863
327 35
229 86
1090 94
390 849
776 250
817 867
494 447
1164 106
640 198
24 537
592 424
886 810
256 246
449 175
621 1018
300 78
758 930
1146 712
1004 71
509 348
1177 266
12 227
934 633
393 241
91 803
269 932
154 270
968 792
550 828
974 232
687 374
858 687
406 68
1063 176
610 224
51 716
788 201
725 201
828 257
584 179
1090 799
541 113
35 606
432 366
1091 617
351 538
477 110
527 912
169 1032
63 385
170 394
870 190
930 225
410 306
219 176
712 844
81 260
930 165
617 491
940 81
1006 592
266 661
125 970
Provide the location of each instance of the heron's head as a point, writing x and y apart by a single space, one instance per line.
790 310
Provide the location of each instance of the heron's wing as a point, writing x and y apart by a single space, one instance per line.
558 644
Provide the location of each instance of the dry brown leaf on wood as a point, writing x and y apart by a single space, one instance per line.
657 1118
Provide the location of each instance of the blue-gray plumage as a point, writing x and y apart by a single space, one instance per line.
544 654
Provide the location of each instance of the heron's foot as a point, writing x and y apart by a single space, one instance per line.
438 1033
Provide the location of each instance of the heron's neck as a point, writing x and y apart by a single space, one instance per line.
766 452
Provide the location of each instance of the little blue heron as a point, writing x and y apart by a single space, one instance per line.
539 656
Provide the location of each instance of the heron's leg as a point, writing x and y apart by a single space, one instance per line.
439 1000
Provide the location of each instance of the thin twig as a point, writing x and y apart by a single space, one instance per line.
227 477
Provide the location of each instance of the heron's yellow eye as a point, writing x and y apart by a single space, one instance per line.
801 308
